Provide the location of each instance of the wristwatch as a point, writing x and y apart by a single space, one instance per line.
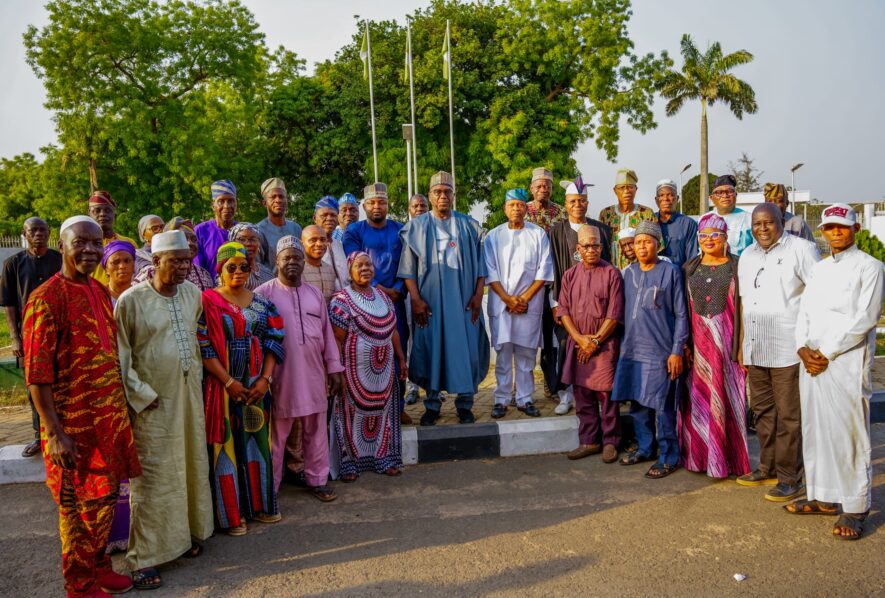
595 341
269 379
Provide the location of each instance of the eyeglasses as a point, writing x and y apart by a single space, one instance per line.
157 228
711 236
624 187
243 267
724 193
590 246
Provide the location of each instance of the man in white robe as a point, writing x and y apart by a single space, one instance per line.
836 336
519 264
171 502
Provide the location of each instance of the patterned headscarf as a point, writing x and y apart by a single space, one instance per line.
714 221
239 227
222 188
142 224
228 251
327 201
773 191
178 223
353 255
102 198
115 246
348 198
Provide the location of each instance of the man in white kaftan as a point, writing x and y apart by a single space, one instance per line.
171 503
519 265
836 335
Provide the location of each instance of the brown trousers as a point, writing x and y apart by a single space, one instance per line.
774 399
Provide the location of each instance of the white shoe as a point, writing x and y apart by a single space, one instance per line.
563 408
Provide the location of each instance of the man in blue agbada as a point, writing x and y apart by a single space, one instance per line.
379 237
650 364
444 270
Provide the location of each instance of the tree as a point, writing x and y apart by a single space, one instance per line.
745 174
691 198
706 77
156 99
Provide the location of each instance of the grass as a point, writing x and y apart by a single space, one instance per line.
880 344
12 379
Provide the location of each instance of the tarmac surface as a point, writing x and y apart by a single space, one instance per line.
530 526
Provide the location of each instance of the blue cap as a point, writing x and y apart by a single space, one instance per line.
518 194
348 198
327 201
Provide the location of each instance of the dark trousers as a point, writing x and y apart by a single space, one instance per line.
774 399
35 417
645 421
549 358
596 410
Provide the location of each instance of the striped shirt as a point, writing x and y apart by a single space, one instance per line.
771 284
323 278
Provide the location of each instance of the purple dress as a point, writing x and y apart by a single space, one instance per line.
210 237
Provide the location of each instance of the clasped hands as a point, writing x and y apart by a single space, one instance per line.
814 361
516 304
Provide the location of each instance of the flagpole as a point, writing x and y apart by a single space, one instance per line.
372 100
412 98
451 118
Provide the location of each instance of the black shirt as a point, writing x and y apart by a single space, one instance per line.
23 273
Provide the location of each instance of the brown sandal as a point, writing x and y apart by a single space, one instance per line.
811 507
850 523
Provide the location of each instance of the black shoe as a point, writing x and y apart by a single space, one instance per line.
429 418
530 410
465 416
499 410
785 492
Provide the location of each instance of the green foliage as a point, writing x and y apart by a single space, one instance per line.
871 244
154 100
691 193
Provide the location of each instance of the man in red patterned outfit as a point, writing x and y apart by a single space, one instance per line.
73 375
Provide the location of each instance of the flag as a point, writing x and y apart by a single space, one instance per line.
445 57
364 54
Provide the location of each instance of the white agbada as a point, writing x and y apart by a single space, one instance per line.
516 258
837 315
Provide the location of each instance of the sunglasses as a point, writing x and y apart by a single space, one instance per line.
231 268
711 236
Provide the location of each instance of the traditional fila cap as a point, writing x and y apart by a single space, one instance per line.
625 176
542 174
441 178
838 213
172 240
375 190
576 187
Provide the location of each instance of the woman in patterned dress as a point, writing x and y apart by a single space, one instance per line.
365 418
712 422
241 341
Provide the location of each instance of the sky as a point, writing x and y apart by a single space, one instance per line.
818 73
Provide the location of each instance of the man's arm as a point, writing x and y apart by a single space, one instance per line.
60 447
13 321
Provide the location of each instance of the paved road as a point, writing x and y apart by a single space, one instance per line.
533 526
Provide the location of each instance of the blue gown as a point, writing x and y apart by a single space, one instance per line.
451 353
656 326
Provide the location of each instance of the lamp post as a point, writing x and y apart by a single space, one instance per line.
793 182
687 166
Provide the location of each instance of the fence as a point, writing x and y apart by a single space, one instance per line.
18 242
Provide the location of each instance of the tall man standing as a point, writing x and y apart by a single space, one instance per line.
519 266
275 226
22 273
794 224
591 308
724 201
680 233
103 209
444 271
73 374
836 336
650 365
379 237
772 276
542 211
624 214
563 244
311 372
159 355
212 234
348 213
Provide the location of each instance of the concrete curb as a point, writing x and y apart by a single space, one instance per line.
514 438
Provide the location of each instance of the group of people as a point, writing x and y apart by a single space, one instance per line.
177 383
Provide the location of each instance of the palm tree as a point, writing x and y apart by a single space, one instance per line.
705 76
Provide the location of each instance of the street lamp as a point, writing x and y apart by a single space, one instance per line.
687 166
793 179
